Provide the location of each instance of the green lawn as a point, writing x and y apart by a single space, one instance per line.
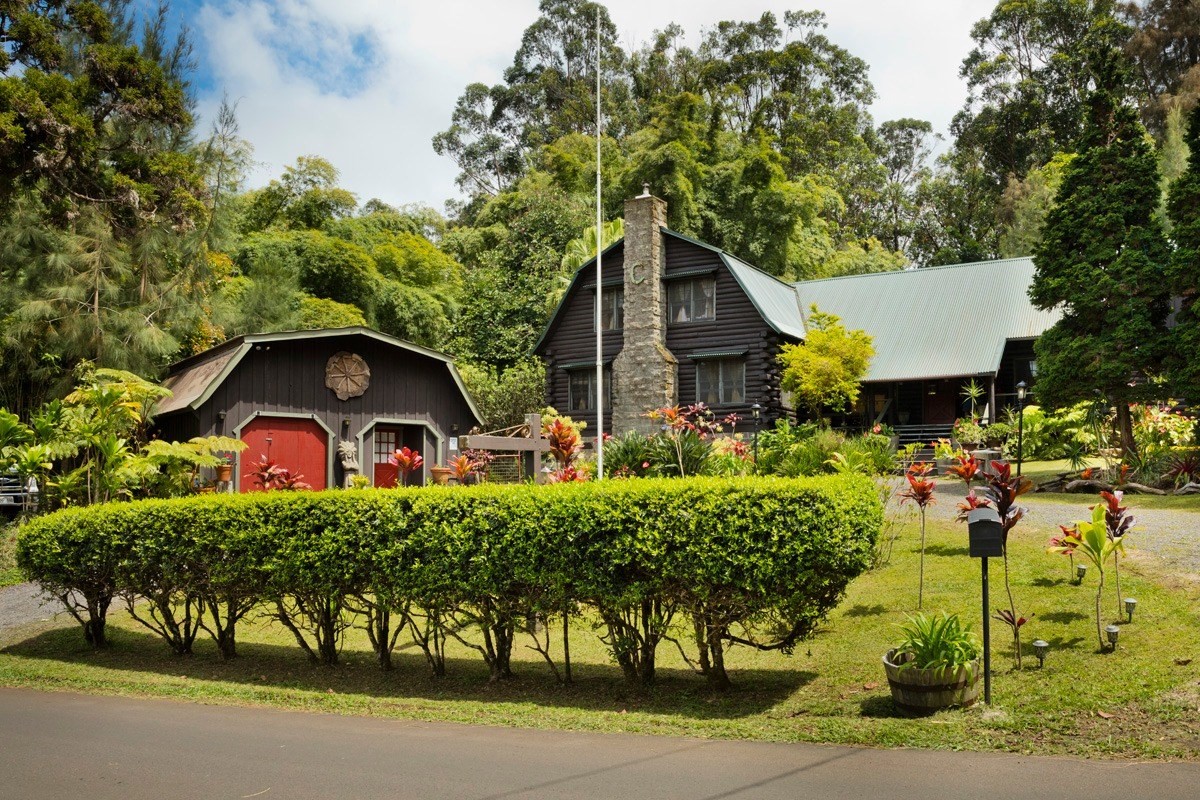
1143 701
9 574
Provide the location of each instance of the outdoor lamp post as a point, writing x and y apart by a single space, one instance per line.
1112 632
756 409
1040 648
1020 424
1130 606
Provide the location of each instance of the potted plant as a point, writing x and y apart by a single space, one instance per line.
936 665
441 475
943 454
224 470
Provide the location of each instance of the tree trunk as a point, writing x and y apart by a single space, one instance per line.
1099 594
1125 429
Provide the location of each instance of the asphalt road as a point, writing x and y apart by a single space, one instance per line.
65 745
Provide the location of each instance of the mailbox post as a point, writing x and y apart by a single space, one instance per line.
986 541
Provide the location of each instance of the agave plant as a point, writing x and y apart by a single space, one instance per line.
1090 540
920 491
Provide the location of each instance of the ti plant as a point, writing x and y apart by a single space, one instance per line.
920 491
967 467
407 462
1003 489
1090 540
1117 524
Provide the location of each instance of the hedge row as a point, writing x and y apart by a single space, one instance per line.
756 561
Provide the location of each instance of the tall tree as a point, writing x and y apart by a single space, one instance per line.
1102 260
1183 206
1165 48
905 146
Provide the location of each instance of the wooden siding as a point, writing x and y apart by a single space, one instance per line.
738 326
288 378
572 337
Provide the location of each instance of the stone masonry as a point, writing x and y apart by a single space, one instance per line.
645 373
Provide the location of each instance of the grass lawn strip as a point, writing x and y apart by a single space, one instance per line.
1143 701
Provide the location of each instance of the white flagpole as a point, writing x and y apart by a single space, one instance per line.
599 281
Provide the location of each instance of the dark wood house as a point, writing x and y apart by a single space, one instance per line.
684 322
299 396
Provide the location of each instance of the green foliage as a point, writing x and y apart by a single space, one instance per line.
504 398
317 313
411 313
1101 261
825 372
1183 208
941 642
798 450
772 555
1025 203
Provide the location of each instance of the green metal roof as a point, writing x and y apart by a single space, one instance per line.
774 299
936 322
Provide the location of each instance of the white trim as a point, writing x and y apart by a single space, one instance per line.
361 437
330 445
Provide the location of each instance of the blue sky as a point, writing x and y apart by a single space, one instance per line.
367 83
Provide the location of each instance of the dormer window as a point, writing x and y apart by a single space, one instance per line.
693 300
612 309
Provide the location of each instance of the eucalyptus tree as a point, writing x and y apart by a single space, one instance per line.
1183 206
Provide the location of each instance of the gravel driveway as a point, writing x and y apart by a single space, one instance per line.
25 603
1172 535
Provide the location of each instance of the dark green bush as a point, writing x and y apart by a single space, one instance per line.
752 561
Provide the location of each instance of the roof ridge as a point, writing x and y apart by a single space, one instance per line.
915 270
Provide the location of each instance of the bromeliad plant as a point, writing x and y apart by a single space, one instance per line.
1003 489
1090 540
920 491
269 476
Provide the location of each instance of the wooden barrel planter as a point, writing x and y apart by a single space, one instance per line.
924 691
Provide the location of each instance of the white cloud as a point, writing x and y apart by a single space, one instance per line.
375 125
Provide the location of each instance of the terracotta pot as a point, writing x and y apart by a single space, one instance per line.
441 475
224 472
923 691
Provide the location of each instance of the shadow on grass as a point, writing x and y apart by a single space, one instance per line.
946 550
1062 617
861 610
881 707
595 687
1046 583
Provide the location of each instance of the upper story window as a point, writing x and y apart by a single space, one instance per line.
581 389
693 300
721 381
612 309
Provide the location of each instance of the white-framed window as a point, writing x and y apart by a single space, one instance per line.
581 389
612 309
693 300
721 381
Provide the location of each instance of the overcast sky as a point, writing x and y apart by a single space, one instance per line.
367 83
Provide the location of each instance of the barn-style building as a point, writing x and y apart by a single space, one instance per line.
684 322
297 396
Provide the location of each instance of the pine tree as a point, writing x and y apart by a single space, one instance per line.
1102 261
1183 208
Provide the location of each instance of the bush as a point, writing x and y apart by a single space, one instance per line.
767 556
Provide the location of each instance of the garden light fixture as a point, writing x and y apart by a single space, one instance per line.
1130 607
1080 571
1020 424
1040 648
1112 632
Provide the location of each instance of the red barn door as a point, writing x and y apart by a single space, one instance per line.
298 445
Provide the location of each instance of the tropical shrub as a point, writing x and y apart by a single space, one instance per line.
941 642
752 561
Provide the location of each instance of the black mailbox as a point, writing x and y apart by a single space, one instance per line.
986 533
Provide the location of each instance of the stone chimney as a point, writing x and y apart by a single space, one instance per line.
645 374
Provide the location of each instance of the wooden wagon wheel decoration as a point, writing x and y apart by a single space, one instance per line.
347 375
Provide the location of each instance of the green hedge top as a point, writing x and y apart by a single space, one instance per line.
774 545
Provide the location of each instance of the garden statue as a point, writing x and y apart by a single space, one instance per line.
348 456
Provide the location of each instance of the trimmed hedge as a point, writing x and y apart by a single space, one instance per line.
755 561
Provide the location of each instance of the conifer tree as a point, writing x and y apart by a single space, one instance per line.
1183 208
1102 261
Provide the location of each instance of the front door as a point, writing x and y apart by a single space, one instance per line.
386 442
941 402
